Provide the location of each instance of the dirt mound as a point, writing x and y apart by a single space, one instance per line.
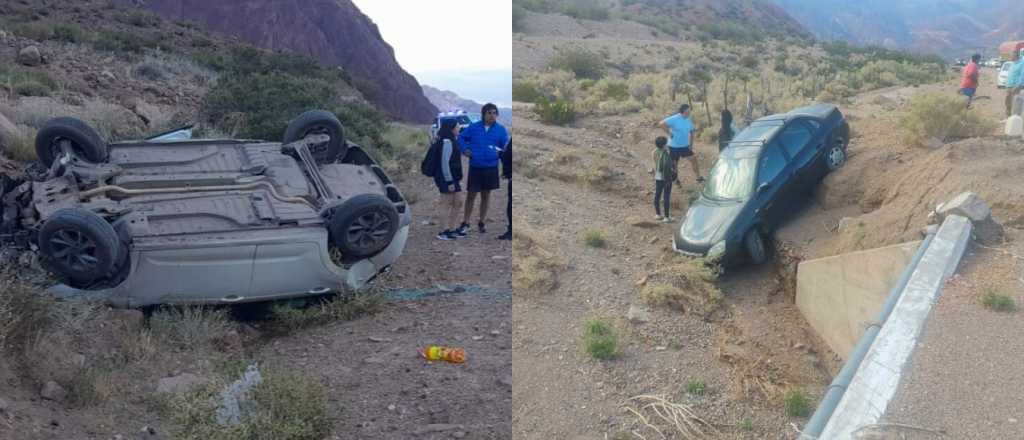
897 190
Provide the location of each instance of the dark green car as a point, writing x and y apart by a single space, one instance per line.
757 179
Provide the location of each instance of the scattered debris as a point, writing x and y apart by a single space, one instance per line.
969 205
656 413
236 400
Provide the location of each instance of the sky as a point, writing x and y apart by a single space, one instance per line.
478 34
417 29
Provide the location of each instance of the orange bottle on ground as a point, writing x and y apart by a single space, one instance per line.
447 354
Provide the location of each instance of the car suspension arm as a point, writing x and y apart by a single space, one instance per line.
189 189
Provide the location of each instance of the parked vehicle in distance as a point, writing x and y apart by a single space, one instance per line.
1004 74
204 221
1010 50
462 119
753 185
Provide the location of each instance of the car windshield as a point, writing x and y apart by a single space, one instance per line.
758 131
732 177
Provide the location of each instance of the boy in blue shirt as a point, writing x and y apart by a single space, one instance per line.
483 141
680 140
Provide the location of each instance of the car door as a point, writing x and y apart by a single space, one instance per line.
803 145
772 175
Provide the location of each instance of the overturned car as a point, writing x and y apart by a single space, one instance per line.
176 220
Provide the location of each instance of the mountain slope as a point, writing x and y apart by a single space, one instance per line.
947 27
330 31
446 100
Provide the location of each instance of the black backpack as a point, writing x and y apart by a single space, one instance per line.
429 165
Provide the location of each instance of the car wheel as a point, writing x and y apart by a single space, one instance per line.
319 122
363 225
755 245
80 246
835 157
72 137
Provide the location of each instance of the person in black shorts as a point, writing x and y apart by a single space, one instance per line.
448 176
482 142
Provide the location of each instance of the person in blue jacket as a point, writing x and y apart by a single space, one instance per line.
483 141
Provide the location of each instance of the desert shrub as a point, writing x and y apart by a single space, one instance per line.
685 286
525 91
21 148
33 31
287 318
661 23
558 112
581 62
151 71
748 61
797 403
68 33
558 84
259 106
189 327
727 30
594 238
600 340
287 406
696 387
23 312
641 92
611 89
998 302
587 11
619 107
534 268
137 18
31 88
201 42
518 15
117 41
933 117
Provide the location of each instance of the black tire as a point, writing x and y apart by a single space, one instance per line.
754 244
319 122
86 143
363 225
80 246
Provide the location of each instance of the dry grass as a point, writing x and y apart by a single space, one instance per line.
656 414
937 119
23 312
534 268
192 328
23 146
687 286
288 319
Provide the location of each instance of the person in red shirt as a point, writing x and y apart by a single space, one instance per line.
969 79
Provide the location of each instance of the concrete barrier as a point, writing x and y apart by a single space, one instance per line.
878 376
840 295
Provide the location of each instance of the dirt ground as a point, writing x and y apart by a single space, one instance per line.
377 385
593 175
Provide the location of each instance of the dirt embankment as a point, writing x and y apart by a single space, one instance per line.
593 176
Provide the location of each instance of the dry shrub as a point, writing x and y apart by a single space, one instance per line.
939 118
687 286
23 146
190 328
24 311
534 268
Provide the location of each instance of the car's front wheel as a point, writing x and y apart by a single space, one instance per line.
754 243
363 226
71 137
319 122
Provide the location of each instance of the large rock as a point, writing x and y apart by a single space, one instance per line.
30 56
638 314
181 383
986 230
53 391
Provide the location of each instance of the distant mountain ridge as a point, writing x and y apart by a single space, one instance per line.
446 100
952 28
330 31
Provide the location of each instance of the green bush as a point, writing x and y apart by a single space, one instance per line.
68 33
611 89
594 238
797 403
526 91
600 341
558 112
998 302
518 15
581 62
259 106
27 82
933 117
587 11
31 88
696 387
117 41
33 31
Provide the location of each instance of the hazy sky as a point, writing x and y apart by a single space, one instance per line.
477 33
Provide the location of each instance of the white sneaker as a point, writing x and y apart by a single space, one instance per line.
668 220
658 218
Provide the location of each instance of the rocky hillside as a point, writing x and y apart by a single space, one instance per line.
330 31
947 27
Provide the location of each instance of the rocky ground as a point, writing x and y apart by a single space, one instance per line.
593 175
447 293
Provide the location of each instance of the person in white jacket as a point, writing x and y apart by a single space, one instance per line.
448 177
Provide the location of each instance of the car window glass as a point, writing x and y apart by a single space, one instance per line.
814 124
794 137
772 163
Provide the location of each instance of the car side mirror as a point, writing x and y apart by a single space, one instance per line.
763 187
